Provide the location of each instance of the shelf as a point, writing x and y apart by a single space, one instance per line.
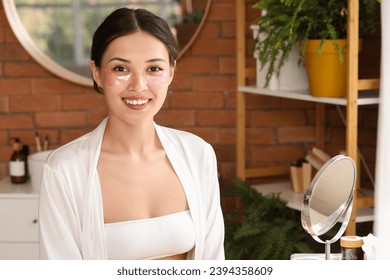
9 190
295 200
314 256
365 98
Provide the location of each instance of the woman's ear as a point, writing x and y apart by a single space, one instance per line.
96 74
172 72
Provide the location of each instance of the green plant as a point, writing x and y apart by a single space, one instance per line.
287 22
263 227
195 17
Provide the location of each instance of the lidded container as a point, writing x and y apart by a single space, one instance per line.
351 248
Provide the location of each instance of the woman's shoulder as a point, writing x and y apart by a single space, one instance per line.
183 137
78 150
186 143
74 151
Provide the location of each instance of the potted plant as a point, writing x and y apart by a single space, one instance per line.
263 227
188 26
287 23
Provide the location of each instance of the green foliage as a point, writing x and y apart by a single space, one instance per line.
288 22
195 17
263 227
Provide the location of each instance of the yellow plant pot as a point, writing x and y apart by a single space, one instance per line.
327 76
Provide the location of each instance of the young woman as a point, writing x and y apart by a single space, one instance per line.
132 189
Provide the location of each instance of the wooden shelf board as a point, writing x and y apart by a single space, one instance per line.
266 171
367 84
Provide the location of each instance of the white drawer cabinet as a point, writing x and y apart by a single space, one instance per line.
19 233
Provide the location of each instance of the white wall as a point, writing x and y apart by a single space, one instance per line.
382 185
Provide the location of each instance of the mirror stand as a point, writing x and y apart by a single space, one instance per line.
344 218
328 201
327 250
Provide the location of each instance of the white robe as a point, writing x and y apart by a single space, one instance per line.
70 206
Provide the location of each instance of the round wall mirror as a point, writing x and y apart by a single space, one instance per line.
58 34
328 200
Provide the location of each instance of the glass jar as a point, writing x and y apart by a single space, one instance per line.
351 248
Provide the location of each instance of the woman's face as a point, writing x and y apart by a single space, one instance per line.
134 76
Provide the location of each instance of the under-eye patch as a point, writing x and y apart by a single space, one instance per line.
156 78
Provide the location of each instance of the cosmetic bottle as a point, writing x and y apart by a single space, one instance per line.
351 248
17 164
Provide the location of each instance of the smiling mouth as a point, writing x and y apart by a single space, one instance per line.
135 102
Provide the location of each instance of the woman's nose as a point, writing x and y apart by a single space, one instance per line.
137 83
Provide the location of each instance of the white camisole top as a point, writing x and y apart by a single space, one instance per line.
152 238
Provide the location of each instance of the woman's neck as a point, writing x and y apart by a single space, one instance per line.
133 139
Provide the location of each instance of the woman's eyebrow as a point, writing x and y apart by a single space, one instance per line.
156 60
120 59
128 61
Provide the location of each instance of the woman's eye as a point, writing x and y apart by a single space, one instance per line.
120 69
155 69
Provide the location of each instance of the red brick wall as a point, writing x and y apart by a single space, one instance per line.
201 100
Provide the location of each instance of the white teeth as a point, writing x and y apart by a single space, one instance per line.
136 102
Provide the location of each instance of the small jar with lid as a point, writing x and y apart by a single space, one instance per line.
351 248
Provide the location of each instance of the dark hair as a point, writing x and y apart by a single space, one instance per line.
124 21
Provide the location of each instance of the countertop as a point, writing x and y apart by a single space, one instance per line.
10 190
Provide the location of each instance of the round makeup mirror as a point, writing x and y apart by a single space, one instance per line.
58 34
329 199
